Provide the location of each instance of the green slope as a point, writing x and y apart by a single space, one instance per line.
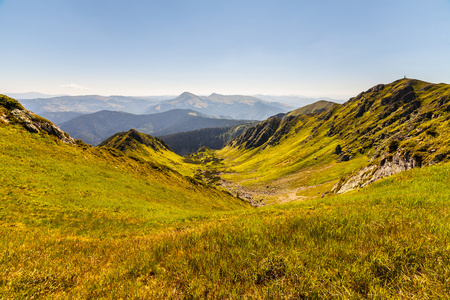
143 147
69 183
313 108
389 127
388 240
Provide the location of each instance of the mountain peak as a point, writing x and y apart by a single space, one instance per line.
132 140
187 94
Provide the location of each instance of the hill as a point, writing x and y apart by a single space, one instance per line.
60 117
313 108
234 107
96 127
384 130
143 147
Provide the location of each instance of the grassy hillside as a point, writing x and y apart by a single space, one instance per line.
144 147
48 183
123 220
385 129
389 240
313 108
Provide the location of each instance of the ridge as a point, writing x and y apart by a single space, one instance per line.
12 112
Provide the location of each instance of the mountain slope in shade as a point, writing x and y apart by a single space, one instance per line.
184 143
95 128
235 106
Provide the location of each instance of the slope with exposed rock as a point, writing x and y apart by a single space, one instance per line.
384 130
11 111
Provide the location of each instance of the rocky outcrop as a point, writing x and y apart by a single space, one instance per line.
258 135
388 166
12 112
36 124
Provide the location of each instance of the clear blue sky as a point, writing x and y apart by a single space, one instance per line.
283 47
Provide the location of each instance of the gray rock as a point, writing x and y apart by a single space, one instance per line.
367 175
35 124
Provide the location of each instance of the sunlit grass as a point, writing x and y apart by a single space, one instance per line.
389 240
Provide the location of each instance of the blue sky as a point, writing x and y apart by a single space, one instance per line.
317 48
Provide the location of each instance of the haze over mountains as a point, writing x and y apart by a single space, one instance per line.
94 118
88 104
63 108
96 127
233 107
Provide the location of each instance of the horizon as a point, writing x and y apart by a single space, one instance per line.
162 95
154 48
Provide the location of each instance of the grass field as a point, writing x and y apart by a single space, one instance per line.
74 229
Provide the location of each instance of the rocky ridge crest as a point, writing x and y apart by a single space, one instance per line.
12 112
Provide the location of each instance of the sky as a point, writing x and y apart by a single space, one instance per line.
322 48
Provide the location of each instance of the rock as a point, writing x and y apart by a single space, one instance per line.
344 157
35 124
387 167
4 119
438 158
405 95
31 128
338 150
258 135
361 111
376 88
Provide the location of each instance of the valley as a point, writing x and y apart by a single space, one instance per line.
325 201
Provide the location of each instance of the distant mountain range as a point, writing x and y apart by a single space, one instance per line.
31 95
63 108
88 104
234 106
95 128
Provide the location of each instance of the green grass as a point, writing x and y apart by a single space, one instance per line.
389 240
50 184
78 222
386 241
